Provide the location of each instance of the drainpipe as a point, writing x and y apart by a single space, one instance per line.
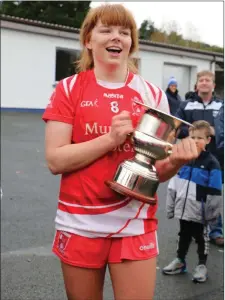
213 65
213 69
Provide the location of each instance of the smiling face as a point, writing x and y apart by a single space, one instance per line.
109 36
173 88
110 45
205 84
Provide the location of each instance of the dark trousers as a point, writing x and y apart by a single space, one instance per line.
200 233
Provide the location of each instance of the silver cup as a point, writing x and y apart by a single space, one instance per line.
153 140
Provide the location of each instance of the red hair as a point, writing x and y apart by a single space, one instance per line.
109 14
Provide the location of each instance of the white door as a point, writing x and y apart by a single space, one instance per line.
182 75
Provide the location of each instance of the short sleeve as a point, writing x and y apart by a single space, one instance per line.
159 96
61 106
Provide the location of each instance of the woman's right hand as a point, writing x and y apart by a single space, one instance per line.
121 126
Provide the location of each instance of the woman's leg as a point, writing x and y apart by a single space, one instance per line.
133 279
83 283
83 262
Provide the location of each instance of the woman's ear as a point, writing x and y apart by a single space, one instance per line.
88 45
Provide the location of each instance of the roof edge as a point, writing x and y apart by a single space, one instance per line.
76 30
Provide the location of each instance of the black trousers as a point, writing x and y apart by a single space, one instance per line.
200 233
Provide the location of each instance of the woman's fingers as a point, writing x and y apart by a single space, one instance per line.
121 127
184 152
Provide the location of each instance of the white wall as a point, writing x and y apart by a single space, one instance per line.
28 67
152 66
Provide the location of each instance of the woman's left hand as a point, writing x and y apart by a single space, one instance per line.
183 152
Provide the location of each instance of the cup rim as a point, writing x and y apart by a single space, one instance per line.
162 112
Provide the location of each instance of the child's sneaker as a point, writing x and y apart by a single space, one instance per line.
175 267
200 274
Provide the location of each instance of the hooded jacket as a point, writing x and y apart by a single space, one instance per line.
174 100
219 136
219 128
190 95
194 194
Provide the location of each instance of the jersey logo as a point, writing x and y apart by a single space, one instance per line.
136 107
215 113
113 96
89 103
63 241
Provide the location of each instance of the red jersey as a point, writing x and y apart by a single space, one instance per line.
86 205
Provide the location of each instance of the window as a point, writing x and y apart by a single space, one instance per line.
65 63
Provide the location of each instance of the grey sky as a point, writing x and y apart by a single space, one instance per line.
199 20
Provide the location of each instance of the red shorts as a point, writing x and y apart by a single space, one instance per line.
87 252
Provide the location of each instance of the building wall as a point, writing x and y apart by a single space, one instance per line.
28 67
152 65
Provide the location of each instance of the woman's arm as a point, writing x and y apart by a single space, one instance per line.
182 153
166 170
63 157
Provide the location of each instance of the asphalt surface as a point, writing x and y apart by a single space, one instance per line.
28 268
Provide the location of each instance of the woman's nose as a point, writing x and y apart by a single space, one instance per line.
115 35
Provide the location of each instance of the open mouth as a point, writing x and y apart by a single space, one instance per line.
114 50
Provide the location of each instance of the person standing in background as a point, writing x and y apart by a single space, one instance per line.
194 197
191 94
204 106
219 136
173 96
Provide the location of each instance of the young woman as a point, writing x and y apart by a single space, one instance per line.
87 122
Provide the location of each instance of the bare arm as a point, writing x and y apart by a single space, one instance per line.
182 153
63 157
166 170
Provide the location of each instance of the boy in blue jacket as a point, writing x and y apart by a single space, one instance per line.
204 106
194 197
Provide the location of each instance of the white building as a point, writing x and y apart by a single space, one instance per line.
35 55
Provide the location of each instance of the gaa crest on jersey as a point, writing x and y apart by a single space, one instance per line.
136 108
63 241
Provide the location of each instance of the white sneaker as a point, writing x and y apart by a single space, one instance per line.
200 274
175 267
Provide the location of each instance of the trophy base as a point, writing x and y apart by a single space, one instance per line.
127 192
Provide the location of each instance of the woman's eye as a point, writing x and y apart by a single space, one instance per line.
125 32
105 31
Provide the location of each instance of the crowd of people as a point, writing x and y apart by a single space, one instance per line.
95 226
202 104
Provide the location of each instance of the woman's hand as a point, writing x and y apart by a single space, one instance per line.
120 128
183 152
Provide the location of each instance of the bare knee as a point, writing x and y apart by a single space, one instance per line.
134 279
83 283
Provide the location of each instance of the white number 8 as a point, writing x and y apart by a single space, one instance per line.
114 107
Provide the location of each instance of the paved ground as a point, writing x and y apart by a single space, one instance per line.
29 270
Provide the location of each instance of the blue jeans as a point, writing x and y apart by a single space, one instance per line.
217 229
